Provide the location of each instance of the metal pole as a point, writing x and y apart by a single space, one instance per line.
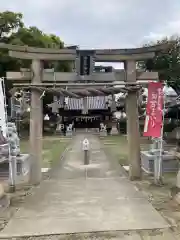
158 163
155 150
161 143
159 152
86 157
12 177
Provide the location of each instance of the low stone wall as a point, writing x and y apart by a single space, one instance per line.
170 163
23 166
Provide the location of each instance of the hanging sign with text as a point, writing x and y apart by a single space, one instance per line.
154 110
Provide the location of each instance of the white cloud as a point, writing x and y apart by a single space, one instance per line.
153 36
171 28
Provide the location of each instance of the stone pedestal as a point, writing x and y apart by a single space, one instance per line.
69 130
114 131
103 133
169 162
69 133
23 164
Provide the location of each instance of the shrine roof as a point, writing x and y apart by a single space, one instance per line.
93 103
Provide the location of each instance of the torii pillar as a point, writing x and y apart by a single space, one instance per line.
36 120
133 124
37 55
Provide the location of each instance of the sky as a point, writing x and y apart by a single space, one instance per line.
101 23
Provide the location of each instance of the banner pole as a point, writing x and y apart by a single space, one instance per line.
161 143
156 161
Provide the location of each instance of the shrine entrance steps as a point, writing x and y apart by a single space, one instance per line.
97 200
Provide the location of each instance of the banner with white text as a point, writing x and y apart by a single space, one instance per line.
154 110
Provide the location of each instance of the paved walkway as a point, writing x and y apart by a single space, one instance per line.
80 200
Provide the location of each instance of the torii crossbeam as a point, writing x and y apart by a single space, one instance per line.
38 80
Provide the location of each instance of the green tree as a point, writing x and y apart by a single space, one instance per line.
34 37
13 31
166 62
9 22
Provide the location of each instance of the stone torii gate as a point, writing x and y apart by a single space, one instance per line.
82 83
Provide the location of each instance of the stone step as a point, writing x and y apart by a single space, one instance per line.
89 236
109 236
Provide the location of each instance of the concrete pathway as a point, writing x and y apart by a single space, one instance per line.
77 199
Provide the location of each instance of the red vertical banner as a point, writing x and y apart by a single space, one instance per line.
154 110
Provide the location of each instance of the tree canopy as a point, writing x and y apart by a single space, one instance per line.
9 22
167 62
14 31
